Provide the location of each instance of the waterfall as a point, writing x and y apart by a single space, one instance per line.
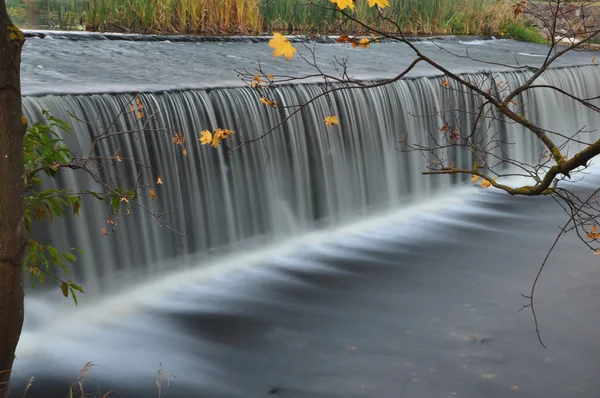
304 175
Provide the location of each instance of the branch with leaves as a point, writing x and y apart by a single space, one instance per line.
498 104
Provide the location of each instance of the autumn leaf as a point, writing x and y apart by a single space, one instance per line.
445 83
444 128
593 61
184 151
518 9
343 4
354 42
117 157
593 234
331 120
178 139
206 137
268 102
103 230
137 108
24 119
226 133
454 136
54 166
159 181
152 193
486 183
343 39
364 43
282 46
219 135
124 199
379 3
256 82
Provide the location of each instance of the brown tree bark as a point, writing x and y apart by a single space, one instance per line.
12 234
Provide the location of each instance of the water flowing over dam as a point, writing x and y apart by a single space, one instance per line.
320 262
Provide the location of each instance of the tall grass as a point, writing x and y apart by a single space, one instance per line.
176 16
416 17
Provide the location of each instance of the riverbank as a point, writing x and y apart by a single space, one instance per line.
246 17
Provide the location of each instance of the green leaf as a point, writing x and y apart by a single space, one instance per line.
76 287
65 289
115 203
74 295
69 257
76 204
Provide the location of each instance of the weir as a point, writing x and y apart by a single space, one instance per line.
411 301
303 176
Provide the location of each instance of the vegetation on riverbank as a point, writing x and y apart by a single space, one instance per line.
415 17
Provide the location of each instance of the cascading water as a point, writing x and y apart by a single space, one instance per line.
423 303
302 176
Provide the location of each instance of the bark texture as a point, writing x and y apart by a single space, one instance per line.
12 234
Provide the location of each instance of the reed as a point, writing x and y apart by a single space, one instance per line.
416 17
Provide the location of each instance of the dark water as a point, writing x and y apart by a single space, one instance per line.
422 305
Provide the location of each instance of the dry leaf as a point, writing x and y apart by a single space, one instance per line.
331 120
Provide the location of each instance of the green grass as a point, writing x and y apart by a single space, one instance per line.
524 32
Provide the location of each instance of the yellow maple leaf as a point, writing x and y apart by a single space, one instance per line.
342 4
364 42
268 102
159 181
282 46
474 178
270 77
331 120
485 184
257 78
152 194
206 137
379 3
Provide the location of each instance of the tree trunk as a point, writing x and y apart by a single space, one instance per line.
12 234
